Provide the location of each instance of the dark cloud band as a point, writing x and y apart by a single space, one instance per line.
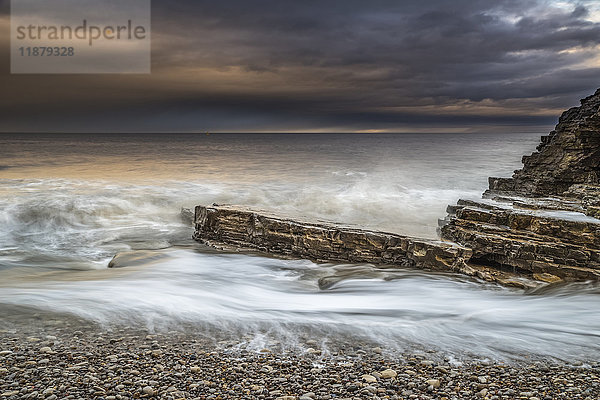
347 64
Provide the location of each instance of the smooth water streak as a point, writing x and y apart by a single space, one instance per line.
68 204
397 308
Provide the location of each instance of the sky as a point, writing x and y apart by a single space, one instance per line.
329 66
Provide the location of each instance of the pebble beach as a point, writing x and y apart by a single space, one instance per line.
178 320
63 360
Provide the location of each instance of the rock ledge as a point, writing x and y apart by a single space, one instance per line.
542 219
240 228
539 226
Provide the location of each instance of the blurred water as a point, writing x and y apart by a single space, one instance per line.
69 203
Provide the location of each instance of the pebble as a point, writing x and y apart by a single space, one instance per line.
435 383
388 373
369 378
148 390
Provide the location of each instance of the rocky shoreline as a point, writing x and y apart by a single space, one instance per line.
538 227
63 362
237 228
542 221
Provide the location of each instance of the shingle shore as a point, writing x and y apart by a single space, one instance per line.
62 363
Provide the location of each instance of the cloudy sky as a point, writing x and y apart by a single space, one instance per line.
329 66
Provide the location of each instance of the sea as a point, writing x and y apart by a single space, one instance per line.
70 202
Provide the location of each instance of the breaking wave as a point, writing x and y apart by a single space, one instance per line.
65 213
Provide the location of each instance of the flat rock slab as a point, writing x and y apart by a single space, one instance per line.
553 244
321 241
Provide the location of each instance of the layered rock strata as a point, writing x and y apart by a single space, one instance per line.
259 230
232 227
565 244
539 225
542 219
569 155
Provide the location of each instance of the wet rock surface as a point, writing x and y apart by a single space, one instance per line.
236 227
561 243
537 227
320 241
541 221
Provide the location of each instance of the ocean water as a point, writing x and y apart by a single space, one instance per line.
69 203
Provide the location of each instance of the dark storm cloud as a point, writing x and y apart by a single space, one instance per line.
427 45
334 65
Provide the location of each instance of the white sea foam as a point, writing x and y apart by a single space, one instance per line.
91 220
66 212
397 308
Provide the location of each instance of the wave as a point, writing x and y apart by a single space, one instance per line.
265 299
57 237
60 220
89 221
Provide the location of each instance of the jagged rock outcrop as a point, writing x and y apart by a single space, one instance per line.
569 155
538 226
542 220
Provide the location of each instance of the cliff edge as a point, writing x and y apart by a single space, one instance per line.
569 155
541 221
